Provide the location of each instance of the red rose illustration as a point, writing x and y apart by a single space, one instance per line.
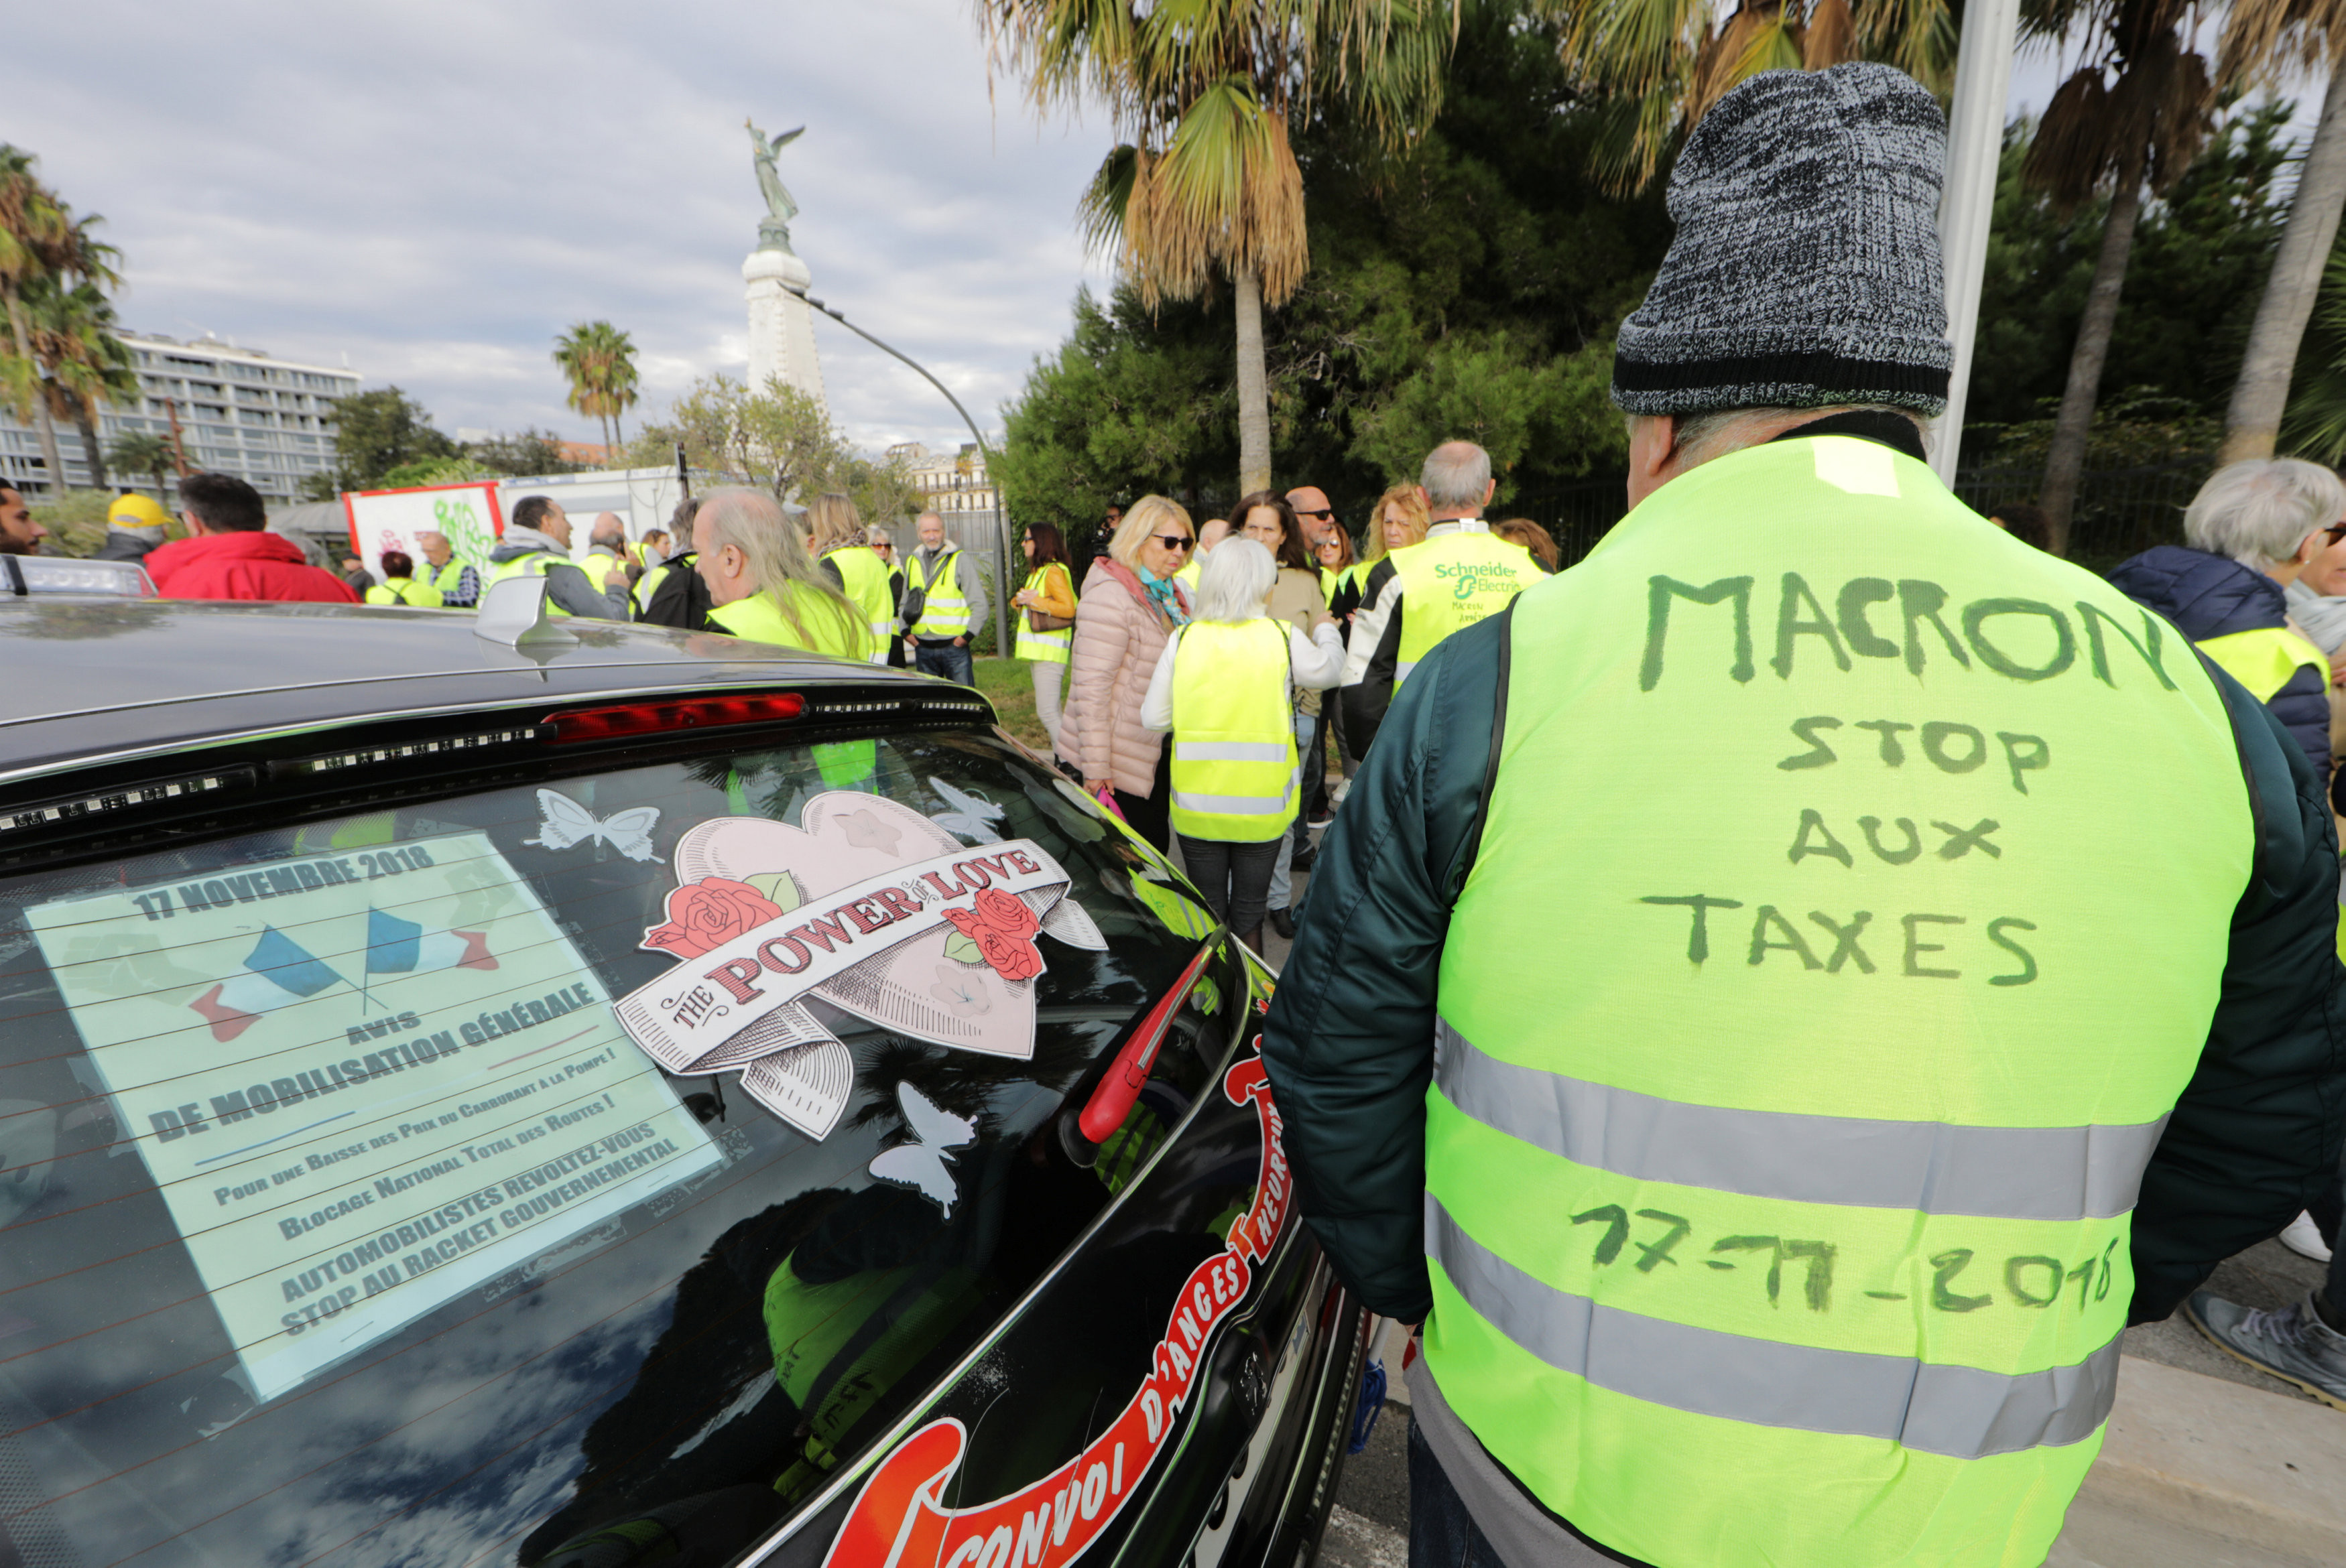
709 913
1004 929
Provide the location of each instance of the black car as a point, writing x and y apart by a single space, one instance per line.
609 1095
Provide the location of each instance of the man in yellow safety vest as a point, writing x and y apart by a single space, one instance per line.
537 544
1787 992
1459 573
459 585
953 603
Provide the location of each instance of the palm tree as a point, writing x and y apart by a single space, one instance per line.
1663 62
2143 130
2264 39
33 224
1202 95
140 453
600 360
76 343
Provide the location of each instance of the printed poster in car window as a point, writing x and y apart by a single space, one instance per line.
366 1082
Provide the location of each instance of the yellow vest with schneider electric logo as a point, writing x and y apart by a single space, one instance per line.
1777 1198
1449 583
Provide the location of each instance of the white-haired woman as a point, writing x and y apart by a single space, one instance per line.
1130 605
2247 533
762 583
1224 687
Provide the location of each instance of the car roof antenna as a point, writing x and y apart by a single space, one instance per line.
513 612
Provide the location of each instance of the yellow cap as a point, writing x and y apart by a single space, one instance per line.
135 511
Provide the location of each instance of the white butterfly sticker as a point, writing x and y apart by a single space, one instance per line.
567 822
969 814
922 1163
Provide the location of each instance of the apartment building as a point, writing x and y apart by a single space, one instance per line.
239 411
952 481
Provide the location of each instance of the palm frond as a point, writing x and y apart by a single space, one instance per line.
2073 149
2267 41
1830 37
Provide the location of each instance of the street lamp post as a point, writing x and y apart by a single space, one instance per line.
1002 567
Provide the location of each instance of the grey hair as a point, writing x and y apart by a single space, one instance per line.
1456 473
753 523
1236 581
2258 513
1703 436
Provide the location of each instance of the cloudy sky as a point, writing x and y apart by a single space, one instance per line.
435 188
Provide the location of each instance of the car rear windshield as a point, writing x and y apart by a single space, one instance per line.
458 1180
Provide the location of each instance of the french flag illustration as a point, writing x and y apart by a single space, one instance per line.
281 971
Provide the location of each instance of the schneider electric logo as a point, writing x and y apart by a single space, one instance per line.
1474 577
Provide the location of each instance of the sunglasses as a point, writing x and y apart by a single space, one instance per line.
1174 540
1322 516
2335 532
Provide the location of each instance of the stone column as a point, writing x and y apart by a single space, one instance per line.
781 326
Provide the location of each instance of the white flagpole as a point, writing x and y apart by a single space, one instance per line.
1967 201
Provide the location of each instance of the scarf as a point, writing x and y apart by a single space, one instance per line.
1160 591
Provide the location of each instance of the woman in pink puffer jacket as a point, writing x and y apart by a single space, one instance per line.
1130 605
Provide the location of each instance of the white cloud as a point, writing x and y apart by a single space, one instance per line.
438 188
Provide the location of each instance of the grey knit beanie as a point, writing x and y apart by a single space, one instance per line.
1805 269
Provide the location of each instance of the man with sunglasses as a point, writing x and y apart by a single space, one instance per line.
1320 524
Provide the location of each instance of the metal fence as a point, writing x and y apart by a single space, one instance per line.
2120 512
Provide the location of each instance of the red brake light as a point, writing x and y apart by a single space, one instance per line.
1112 1101
652 717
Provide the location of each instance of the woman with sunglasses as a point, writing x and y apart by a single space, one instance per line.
1046 610
1130 605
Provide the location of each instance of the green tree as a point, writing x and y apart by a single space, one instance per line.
41 242
2199 260
2143 130
780 438
1491 244
78 343
140 452
599 361
1207 96
378 431
531 451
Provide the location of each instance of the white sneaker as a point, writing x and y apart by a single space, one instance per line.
2302 1236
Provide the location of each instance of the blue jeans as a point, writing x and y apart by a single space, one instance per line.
945 660
1441 1534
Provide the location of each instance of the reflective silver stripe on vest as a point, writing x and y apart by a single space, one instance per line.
1231 805
1936 1167
1229 750
1962 1412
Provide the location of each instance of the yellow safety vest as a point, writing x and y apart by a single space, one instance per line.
450 579
2263 660
761 619
1188 575
865 581
1449 583
1045 647
946 612
534 564
1778 1196
1233 731
405 591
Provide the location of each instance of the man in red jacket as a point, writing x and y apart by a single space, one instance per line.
229 555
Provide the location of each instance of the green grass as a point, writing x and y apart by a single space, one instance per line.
1012 690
